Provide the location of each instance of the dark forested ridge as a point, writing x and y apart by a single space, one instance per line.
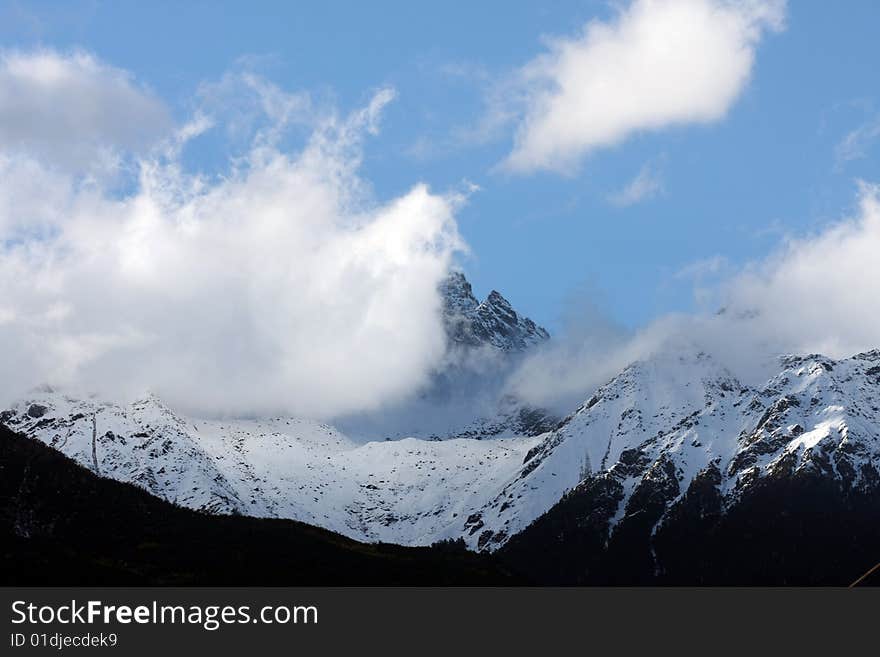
803 530
62 525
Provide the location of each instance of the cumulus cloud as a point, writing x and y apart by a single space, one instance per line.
815 294
647 184
658 63
280 286
74 111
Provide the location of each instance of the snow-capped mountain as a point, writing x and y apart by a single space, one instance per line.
406 491
691 477
681 419
657 430
415 489
669 432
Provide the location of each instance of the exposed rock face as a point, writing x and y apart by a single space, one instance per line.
36 411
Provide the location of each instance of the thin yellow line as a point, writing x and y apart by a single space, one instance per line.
866 575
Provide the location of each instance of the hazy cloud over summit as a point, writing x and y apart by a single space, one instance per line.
281 285
815 294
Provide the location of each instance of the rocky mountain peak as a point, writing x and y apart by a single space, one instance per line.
496 299
493 322
458 295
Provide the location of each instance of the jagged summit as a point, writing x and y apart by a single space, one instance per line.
493 322
458 295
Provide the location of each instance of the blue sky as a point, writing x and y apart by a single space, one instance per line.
727 192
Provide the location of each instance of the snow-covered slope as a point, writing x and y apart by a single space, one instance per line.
405 491
646 437
664 423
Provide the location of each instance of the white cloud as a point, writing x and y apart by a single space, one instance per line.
855 144
74 111
816 294
647 184
703 268
280 285
658 63
819 293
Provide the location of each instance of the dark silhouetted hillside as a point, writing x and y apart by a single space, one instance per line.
62 525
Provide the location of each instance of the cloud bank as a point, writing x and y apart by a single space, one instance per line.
658 63
819 293
816 294
278 286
